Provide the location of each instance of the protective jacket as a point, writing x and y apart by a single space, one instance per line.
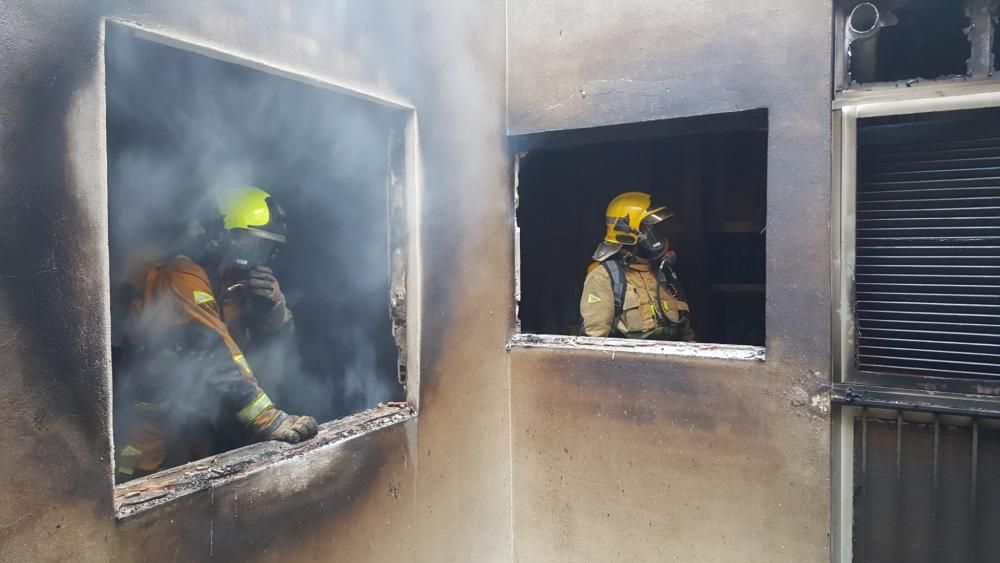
187 374
650 306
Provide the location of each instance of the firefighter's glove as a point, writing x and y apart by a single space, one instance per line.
274 424
265 288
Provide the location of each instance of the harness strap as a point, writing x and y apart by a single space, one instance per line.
616 270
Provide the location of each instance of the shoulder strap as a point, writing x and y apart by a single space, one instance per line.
616 271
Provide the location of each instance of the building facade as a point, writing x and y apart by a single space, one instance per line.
511 445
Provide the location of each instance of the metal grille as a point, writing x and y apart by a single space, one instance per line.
927 276
925 490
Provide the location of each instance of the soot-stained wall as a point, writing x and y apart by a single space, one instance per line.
435 488
622 457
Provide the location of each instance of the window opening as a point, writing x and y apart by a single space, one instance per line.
186 132
890 40
710 173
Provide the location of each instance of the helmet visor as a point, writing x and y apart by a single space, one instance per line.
657 216
249 249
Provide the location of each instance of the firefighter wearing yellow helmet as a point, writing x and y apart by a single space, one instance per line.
191 316
632 290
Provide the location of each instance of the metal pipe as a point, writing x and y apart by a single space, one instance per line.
862 27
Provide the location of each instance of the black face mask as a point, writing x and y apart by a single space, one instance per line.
251 251
241 256
651 245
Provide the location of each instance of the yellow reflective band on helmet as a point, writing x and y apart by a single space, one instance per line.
250 412
126 470
591 298
130 451
202 297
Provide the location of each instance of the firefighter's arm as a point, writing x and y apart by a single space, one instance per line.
227 372
239 394
223 375
207 338
597 303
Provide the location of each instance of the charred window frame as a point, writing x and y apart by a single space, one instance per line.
716 128
138 496
968 32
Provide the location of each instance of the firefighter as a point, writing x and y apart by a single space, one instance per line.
632 290
192 390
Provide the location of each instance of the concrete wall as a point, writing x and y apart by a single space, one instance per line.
625 457
615 456
434 489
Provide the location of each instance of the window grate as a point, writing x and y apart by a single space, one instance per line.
927 270
922 488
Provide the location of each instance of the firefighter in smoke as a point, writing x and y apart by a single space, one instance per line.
632 290
190 317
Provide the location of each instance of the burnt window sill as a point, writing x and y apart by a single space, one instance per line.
677 349
146 493
912 90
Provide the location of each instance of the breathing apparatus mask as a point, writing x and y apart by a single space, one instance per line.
651 245
654 245
246 250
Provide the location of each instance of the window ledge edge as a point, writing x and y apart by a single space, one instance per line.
701 350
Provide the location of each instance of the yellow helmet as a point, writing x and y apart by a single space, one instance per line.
254 210
627 214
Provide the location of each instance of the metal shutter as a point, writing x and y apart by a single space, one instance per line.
928 245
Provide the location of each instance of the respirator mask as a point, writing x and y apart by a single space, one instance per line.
654 245
246 250
243 253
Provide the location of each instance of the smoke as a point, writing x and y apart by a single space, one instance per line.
182 126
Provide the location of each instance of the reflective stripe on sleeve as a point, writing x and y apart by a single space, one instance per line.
241 361
250 412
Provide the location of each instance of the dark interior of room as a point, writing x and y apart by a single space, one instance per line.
181 125
715 182
928 40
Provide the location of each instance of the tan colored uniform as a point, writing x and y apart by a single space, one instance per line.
175 309
640 317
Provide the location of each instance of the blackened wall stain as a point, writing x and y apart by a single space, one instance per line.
48 244
332 503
